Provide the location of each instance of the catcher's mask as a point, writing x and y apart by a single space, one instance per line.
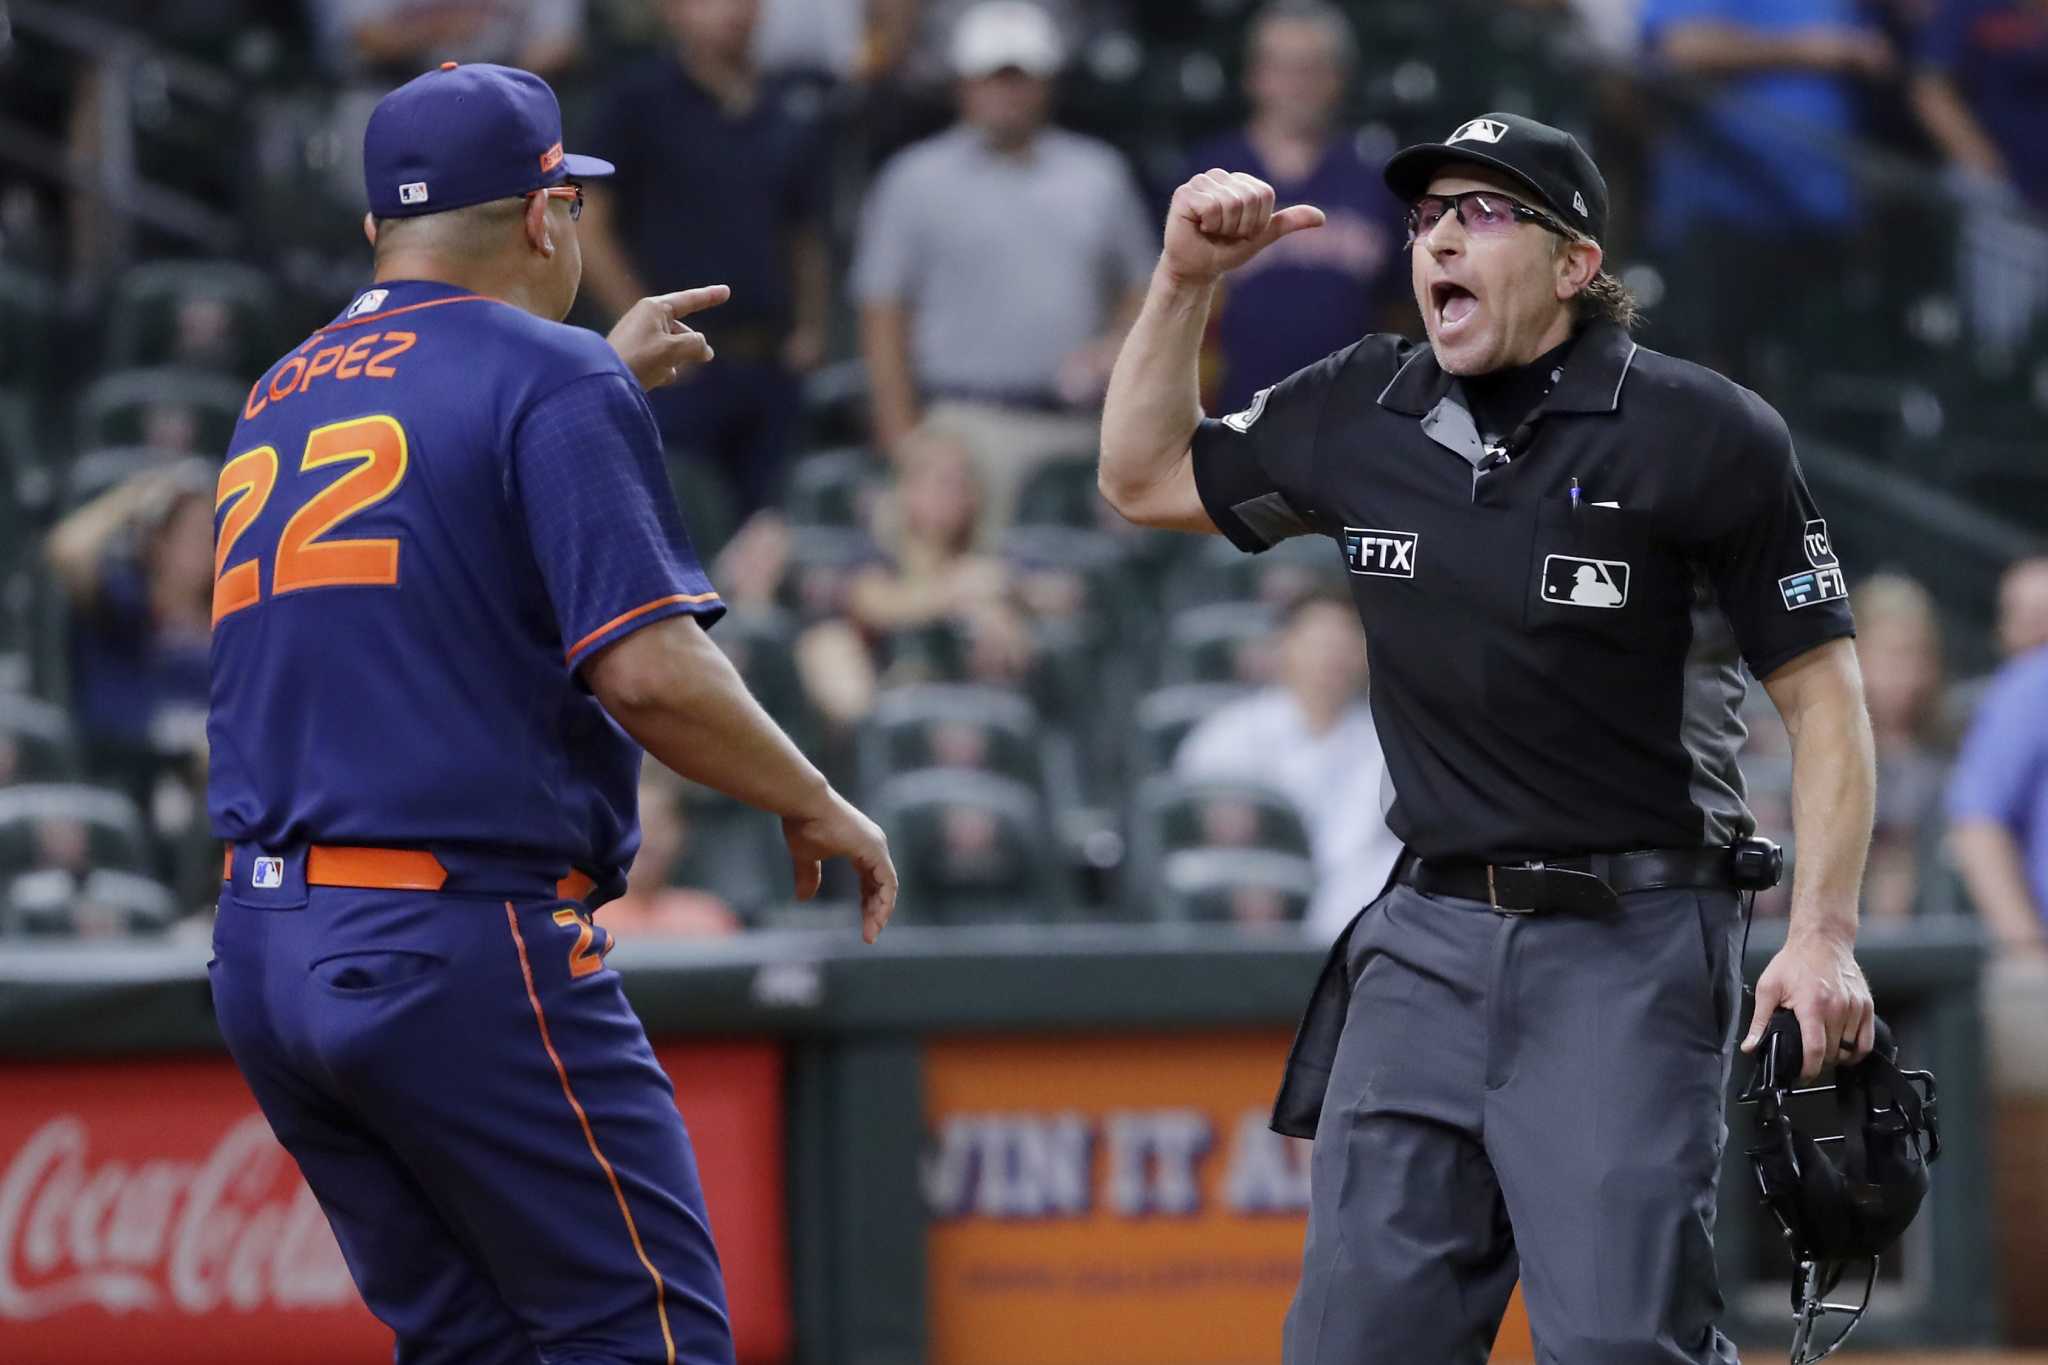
1840 1200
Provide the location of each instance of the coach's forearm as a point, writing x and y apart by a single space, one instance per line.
676 693
1834 786
1155 399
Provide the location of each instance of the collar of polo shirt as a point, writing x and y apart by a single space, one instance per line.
1592 379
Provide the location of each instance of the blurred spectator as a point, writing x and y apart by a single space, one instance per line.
1311 735
136 564
1980 87
842 41
1898 643
388 41
1314 292
720 181
653 904
2022 627
1752 187
1998 807
1000 263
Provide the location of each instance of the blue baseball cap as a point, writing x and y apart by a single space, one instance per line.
463 135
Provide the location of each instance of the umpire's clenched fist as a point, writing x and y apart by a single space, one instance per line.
1221 219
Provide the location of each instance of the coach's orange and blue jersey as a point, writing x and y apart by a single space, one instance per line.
433 512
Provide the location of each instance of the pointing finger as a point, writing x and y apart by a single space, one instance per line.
684 302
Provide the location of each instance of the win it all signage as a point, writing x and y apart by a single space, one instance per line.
1114 1197
1087 1191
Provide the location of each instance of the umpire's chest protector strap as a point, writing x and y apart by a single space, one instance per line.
1300 1102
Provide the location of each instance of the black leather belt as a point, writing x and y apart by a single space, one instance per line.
1587 885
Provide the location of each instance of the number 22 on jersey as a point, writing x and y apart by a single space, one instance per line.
305 558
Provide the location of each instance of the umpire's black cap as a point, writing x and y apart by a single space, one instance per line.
1548 160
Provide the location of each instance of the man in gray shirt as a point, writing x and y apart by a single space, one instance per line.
1000 264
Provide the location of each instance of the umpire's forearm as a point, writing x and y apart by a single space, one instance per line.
676 693
1834 787
1155 400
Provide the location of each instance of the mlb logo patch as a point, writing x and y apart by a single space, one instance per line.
1818 585
1569 581
1383 554
1479 130
551 158
1820 551
413 192
370 302
267 874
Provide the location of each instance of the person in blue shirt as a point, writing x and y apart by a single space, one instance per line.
453 601
1314 292
1757 170
1998 795
722 175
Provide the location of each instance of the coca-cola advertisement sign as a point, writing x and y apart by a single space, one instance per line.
146 1212
145 1209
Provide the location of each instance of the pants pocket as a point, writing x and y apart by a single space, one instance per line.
368 972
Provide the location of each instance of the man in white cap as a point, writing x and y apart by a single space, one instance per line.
1000 263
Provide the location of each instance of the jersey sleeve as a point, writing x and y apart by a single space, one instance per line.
588 474
1774 566
1253 468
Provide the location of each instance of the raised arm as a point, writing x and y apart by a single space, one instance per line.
1218 221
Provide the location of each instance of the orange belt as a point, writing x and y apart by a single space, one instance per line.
390 869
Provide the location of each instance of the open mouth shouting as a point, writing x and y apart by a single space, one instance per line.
1453 306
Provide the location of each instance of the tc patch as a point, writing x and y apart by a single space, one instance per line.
1384 554
1241 422
1820 551
1570 581
1815 585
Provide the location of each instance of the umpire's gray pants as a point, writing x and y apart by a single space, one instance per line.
1539 1094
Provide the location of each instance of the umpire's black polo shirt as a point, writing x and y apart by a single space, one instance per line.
1546 681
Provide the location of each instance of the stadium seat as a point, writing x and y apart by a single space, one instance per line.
1217 571
120 408
1247 887
832 487
36 742
970 848
761 642
736 853
103 903
1220 642
28 317
1164 716
710 514
1062 492
964 726
1171 815
822 564
213 315
70 826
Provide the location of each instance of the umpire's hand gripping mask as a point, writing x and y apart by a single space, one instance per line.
1840 1200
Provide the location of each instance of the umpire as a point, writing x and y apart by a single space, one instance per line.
1563 547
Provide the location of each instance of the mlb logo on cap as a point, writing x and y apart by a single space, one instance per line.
1479 130
463 135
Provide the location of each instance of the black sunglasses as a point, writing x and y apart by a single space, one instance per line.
1484 213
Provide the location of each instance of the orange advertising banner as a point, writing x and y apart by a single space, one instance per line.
1114 1198
146 1211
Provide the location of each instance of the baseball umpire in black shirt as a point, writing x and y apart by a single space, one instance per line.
1563 548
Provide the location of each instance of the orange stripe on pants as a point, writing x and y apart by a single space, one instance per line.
632 1230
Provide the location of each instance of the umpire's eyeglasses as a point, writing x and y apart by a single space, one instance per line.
1483 213
571 191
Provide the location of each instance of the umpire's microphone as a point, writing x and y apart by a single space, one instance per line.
1518 441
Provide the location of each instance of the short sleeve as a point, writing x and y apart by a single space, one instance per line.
885 260
1774 568
587 472
1998 772
1253 468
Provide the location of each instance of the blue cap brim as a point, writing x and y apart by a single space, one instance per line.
584 167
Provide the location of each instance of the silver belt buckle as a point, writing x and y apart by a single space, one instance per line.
1493 895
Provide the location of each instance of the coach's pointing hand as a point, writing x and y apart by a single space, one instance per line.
1221 219
837 830
653 341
